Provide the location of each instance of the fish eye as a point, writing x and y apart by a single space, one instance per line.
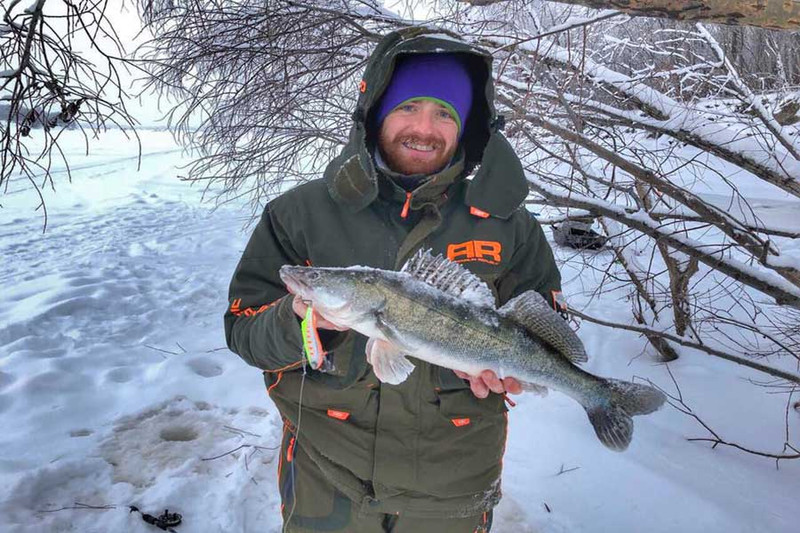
313 276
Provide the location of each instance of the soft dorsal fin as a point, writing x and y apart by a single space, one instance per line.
531 311
449 277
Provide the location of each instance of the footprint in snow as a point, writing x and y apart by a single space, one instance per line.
5 402
83 281
53 383
205 367
51 353
121 374
78 305
6 379
75 365
18 338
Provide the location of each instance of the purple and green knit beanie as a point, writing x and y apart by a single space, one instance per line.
443 78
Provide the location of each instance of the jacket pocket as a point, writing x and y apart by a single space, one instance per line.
463 444
462 404
339 423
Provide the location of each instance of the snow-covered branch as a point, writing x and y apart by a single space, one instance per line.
662 115
776 14
791 377
730 226
781 290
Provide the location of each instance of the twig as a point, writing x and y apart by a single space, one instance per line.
563 470
558 29
161 350
717 441
79 506
217 349
237 449
678 403
237 430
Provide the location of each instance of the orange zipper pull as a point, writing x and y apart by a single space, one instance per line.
406 206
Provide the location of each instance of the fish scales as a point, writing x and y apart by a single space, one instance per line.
432 323
457 335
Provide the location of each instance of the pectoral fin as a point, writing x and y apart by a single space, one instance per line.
538 390
389 363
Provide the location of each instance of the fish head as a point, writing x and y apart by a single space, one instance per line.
341 293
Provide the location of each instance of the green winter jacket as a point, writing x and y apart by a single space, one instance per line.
426 447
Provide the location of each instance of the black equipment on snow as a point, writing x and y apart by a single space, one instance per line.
579 235
164 521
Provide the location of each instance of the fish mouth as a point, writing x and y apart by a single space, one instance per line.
293 277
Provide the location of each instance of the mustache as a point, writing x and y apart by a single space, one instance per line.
433 140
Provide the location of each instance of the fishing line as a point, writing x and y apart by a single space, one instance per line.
296 440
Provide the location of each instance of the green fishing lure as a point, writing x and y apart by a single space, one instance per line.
312 346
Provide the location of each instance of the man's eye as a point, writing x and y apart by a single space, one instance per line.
445 115
407 108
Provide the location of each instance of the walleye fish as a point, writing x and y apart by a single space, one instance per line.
437 311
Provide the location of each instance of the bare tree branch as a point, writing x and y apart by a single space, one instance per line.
683 341
48 86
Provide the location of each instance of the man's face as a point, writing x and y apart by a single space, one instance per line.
419 137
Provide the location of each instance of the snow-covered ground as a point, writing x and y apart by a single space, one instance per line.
116 388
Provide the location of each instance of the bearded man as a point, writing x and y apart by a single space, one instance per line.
425 167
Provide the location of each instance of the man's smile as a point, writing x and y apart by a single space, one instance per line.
418 147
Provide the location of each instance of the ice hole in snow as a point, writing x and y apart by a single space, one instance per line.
178 434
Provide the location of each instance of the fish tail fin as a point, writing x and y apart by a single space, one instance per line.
611 416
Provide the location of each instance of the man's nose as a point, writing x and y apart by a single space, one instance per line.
424 123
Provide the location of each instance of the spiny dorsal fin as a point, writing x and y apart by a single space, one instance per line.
532 311
449 277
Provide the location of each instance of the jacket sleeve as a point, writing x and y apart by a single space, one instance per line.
260 324
533 266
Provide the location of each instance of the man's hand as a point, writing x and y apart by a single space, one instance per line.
488 381
299 307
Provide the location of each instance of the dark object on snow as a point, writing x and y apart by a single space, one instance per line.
578 235
788 111
164 521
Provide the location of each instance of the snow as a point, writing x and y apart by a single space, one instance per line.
116 388
790 259
443 37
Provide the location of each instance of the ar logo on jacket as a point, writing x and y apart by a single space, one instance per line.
483 251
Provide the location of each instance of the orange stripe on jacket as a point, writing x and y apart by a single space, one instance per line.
236 310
